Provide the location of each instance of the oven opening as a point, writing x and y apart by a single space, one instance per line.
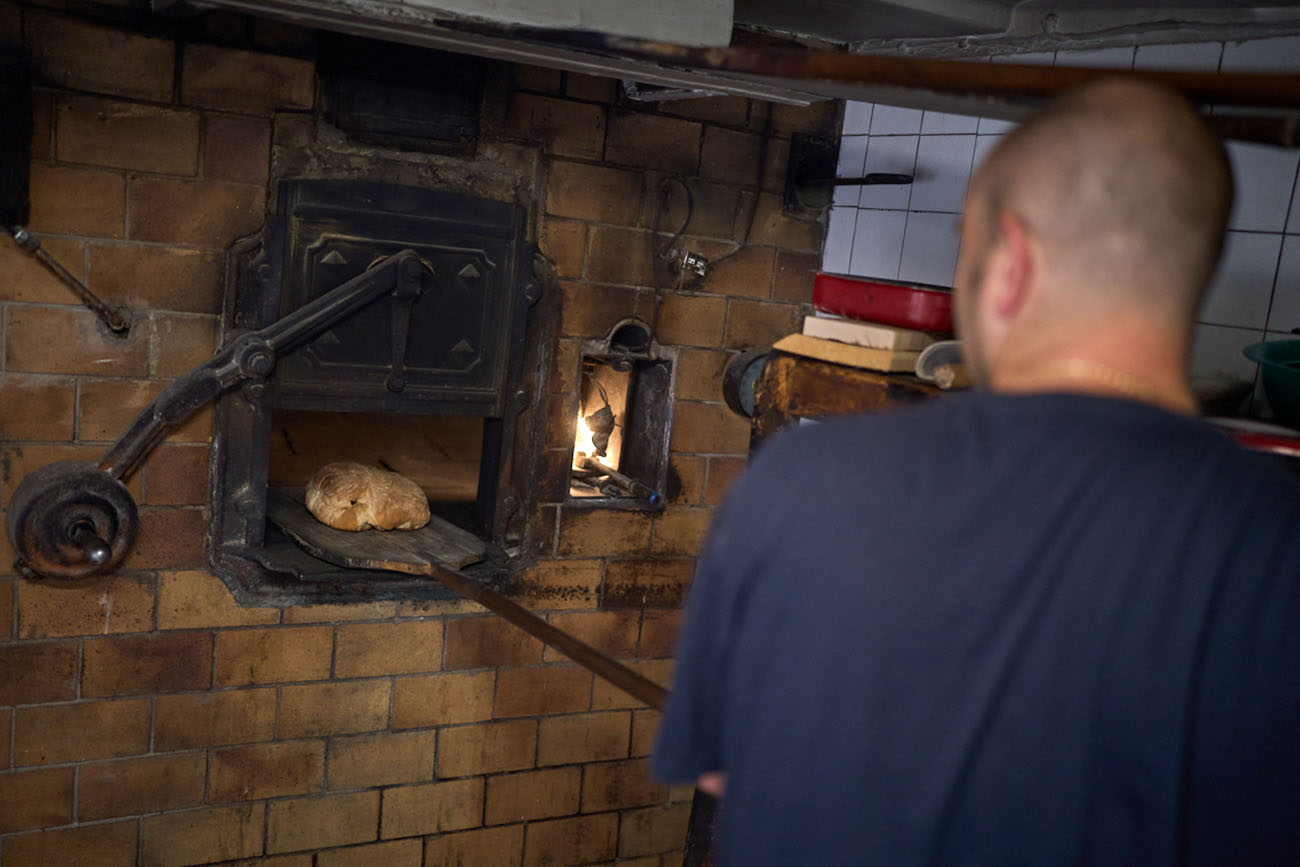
441 454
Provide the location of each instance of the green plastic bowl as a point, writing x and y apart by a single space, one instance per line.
1279 364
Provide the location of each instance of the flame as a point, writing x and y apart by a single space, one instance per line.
583 445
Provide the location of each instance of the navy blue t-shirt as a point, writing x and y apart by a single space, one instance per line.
998 630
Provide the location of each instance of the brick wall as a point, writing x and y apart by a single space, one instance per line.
146 717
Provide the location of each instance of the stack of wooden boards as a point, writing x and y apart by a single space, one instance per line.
860 323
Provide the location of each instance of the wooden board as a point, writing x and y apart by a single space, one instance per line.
887 360
408 551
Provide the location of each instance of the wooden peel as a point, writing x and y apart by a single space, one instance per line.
415 553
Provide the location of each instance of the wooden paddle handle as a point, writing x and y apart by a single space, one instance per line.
636 685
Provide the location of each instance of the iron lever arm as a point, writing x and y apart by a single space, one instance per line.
251 357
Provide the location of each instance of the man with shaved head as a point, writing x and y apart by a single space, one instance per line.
1055 620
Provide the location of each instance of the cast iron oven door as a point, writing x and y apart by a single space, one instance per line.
455 348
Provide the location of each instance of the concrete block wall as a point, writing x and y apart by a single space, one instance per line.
911 233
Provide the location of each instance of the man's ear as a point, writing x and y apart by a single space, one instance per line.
1015 261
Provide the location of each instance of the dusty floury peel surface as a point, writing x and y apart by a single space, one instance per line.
354 497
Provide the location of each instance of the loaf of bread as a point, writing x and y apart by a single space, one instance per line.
349 496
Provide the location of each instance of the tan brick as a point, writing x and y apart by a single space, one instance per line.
111 845
487 748
564 584
266 771
339 613
432 808
645 728
35 799
692 320
126 135
486 847
200 836
616 255
159 278
333 708
654 142
181 343
304 860
708 428
606 696
389 648
365 761
752 324
273 655
84 56
700 373
586 737
773 227
532 795
611 632
659 632
169 538
42 122
177 475
323 821
145 785
77 201
487 642
815 117
71 340
6 605
200 600
212 719
245 81
578 840
714 211
599 532
564 242
22 458
563 127
535 690
398 853
686 479
538 78
653 830
730 156
236 149
108 406
76 732
794 276
647 583
26 279
680 531
37 407
619 785
593 193
589 310
726 110
591 87
146 664
747 273
723 472
216 212
442 699
6 719
47 610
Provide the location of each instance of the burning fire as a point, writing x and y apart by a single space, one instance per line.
583 445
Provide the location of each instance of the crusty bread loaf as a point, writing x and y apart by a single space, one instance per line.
349 496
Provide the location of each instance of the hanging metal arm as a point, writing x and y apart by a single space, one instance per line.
251 358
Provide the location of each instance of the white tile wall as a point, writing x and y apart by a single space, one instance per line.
853 156
910 232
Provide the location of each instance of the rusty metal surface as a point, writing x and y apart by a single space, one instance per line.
70 519
792 387
116 321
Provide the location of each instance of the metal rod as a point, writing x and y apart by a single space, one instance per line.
866 180
627 483
30 244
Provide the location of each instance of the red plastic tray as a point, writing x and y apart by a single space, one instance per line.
890 302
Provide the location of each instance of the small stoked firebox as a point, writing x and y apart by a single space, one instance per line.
424 382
